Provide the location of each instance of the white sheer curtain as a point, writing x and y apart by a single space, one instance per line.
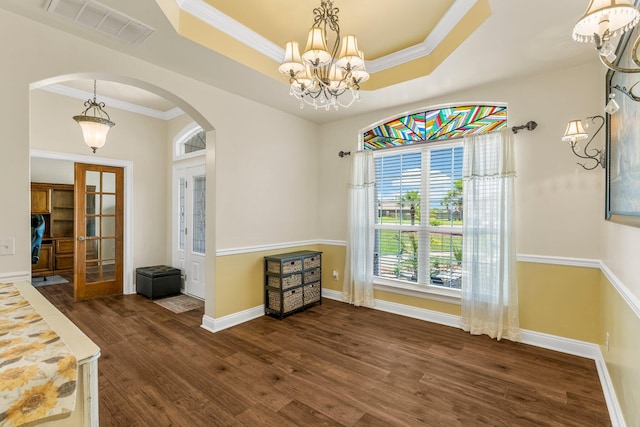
357 288
489 287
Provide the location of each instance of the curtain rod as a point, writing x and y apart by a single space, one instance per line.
530 125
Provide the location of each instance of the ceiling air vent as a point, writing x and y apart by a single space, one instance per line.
99 17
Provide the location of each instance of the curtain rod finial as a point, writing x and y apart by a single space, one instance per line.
341 154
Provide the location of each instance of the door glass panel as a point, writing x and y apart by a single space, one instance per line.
109 270
93 226
108 226
93 250
93 204
199 211
108 182
181 214
92 273
108 204
108 249
93 181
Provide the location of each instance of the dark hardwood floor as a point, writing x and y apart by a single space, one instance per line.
331 365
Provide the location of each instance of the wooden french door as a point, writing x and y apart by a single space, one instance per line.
99 199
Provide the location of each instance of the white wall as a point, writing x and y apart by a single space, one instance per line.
559 205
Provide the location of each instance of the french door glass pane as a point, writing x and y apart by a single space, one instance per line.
108 182
108 204
108 249
108 226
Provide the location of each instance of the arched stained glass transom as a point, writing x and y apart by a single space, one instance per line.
436 125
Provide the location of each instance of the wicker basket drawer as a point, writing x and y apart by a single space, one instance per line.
292 266
312 262
311 293
292 299
312 275
287 281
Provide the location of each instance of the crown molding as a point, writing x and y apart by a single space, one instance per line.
115 103
451 18
212 16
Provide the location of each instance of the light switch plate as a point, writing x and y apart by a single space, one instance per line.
7 245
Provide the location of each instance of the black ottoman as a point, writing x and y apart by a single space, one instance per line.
158 281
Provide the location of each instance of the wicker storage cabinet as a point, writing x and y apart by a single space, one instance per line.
292 282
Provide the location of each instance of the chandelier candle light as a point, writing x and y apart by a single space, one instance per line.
94 127
319 77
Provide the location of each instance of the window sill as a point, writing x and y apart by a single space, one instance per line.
431 292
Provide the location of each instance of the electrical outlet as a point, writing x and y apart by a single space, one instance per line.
335 275
606 341
7 246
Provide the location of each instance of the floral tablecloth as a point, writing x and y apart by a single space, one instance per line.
37 370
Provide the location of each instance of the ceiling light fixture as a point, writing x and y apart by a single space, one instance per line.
319 77
94 127
602 21
575 132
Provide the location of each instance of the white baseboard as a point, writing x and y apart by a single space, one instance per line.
17 276
224 322
613 405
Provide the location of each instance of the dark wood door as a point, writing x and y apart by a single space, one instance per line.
99 200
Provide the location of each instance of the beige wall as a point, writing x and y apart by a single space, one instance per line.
263 190
557 212
51 170
135 138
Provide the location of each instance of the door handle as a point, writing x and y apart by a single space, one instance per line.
81 238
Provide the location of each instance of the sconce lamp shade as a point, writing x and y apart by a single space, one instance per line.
316 50
94 130
575 131
614 16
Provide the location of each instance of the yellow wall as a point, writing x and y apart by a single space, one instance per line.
560 300
623 356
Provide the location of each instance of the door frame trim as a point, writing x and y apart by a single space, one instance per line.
128 271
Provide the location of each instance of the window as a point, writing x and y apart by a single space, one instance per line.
190 142
419 209
419 213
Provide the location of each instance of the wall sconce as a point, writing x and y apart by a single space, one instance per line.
575 132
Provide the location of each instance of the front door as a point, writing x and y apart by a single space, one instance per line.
99 209
189 252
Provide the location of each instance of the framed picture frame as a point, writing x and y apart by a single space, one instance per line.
622 193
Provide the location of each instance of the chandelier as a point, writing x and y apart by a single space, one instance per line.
603 21
321 77
95 126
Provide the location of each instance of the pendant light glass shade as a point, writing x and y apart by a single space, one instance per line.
94 130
